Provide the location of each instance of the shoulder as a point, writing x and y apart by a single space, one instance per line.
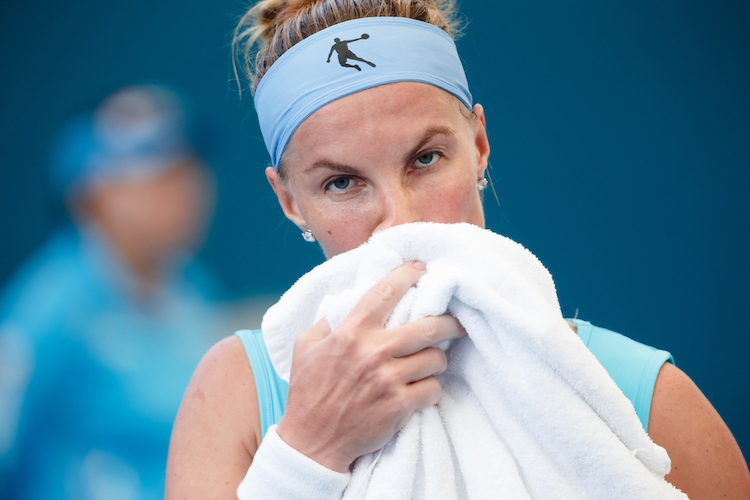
706 460
223 387
632 365
217 429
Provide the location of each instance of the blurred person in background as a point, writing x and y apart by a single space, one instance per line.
101 329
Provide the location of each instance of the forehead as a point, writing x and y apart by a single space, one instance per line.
378 111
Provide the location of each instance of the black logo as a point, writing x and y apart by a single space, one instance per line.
342 49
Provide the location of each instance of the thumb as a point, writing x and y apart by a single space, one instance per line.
309 338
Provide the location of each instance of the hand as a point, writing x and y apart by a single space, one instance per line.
353 388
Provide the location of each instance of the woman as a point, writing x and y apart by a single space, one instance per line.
348 162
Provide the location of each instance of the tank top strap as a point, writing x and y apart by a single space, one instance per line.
271 389
632 365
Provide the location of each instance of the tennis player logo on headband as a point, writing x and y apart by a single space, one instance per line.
342 49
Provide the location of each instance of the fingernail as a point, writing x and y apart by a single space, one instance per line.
418 264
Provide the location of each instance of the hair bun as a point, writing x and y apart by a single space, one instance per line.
266 14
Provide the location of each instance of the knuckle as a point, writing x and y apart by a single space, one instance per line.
435 384
429 330
383 383
344 339
378 355
301 343
370 362
437 392
440 360
385 290
379 389
398 405
310 336
434 392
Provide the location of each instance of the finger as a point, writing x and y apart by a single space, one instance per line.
318 332
424 393
378 302
425 363
425 332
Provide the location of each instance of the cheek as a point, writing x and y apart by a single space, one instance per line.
454 200
340 229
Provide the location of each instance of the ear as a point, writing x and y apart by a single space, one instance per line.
285 198
481 141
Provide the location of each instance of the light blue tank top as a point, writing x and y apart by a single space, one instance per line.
632 365
271 389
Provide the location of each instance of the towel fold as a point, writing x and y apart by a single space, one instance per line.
527 411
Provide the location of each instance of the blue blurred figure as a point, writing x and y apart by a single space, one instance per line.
100 330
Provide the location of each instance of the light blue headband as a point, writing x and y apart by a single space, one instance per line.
346 58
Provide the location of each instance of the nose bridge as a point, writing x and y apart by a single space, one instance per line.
398 205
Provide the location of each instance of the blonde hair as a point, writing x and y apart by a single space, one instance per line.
277 25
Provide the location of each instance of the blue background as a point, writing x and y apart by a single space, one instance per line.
620 139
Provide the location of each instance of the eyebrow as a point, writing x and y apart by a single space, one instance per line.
336 167
429 134
346 169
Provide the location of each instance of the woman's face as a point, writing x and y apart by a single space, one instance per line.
397 153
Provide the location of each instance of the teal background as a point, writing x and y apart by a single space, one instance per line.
620 139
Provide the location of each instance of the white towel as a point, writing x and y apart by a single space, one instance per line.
526 412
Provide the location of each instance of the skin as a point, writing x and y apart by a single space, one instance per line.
393 154
706 460
385 186
148 219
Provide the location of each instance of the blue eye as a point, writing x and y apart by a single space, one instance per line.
340 184
426 159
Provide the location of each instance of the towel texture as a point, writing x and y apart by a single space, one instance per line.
280 472
526 412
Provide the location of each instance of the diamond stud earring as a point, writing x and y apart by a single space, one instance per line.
308 236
